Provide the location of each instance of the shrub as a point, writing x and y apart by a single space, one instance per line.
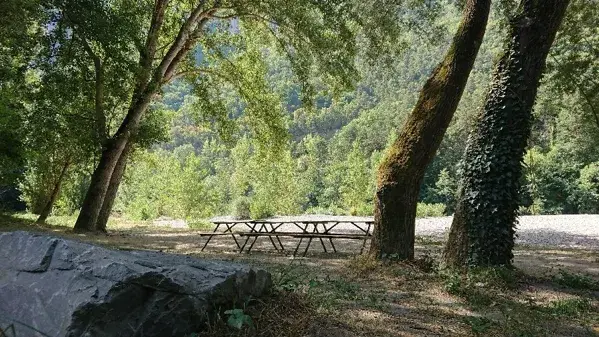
588 185
261 208
241 208
200 224
429 210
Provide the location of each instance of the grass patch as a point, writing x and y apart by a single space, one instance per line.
572 307
576 281
481 286
53 220
479 325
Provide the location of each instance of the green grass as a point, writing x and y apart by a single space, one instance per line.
576 281
479 325
572 307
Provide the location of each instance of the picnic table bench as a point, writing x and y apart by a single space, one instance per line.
304 230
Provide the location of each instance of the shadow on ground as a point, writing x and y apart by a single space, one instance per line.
344 294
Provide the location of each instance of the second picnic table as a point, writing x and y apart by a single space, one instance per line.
308 230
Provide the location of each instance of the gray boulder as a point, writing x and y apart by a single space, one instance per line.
55 287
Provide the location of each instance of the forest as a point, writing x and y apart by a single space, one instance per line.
197 159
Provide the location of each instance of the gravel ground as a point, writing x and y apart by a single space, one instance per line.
564 231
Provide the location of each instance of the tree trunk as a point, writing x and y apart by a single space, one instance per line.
147 85
482 232
94 198
54 195
113 187
402 170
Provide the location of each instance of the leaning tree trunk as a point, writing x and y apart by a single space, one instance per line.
482 232
402 170
113 187
54 195
94 198
149 81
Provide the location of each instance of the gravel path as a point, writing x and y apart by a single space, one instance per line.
564 231
573 231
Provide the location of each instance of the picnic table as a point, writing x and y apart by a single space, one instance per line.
245 233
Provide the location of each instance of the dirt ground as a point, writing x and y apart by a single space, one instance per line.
552 292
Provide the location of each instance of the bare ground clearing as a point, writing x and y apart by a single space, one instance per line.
554 292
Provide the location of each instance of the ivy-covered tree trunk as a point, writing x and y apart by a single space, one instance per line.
402 170
482 232
54 195
113 187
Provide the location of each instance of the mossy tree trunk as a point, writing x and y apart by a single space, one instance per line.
482 232
402 170
113 187
113 150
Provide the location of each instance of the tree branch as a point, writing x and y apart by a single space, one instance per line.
180 41
99 92
146 55
184 51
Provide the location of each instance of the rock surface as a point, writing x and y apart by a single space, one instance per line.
55 287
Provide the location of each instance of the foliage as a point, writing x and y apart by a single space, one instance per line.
241 208
570 307
576 281
429 210
200 225
203 148
238 319
588 184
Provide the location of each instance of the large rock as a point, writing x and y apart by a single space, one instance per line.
67 288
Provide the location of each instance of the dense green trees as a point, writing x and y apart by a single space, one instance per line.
155 43
211 165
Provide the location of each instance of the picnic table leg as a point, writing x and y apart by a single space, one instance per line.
262 226
321 242
273 243
332 245
307 246
252 229
309 242
301 239
273 228
365 238
330 239
270 237
251 245
230 230
210 237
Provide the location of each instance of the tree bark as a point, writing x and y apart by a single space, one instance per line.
113 187
54 195
482 232
94 198
402 170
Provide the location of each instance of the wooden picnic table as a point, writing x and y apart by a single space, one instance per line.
304 230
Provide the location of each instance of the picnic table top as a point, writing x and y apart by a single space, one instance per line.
296 219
